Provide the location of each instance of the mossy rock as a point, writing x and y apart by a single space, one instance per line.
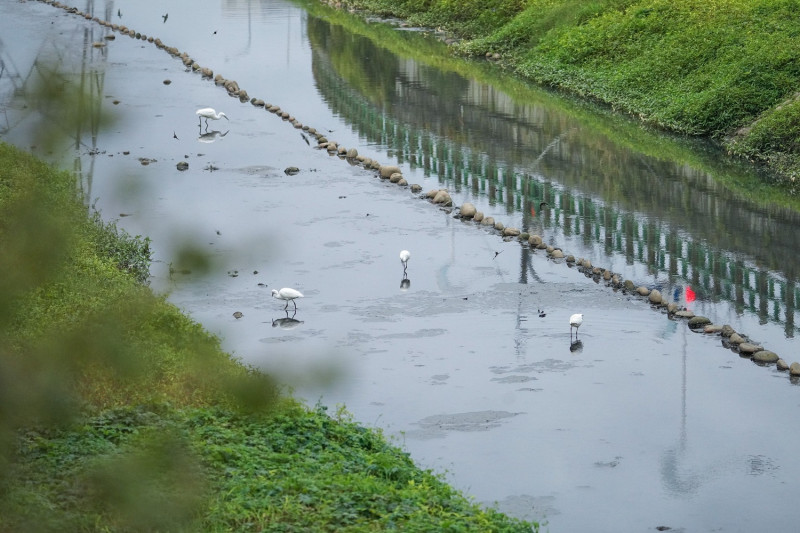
698 321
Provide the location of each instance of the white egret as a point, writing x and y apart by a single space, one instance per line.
405 255
287 294
575 321
209 113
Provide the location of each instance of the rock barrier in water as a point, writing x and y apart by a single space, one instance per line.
731 339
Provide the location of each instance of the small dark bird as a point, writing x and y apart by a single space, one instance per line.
119 13
165 16
305 139
496 254
174 136
542 314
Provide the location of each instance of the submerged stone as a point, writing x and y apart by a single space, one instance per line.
468 210
749 348
388 170
736 339
698 321
765 356
654 297
443 197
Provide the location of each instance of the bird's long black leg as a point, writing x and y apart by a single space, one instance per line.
295 305
287 305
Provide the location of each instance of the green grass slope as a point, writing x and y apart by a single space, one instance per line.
726 69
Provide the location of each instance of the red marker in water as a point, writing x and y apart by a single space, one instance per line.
690 295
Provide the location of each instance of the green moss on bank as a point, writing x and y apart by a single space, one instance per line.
726 69
118 413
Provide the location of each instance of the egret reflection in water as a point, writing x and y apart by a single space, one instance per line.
211 136
287 322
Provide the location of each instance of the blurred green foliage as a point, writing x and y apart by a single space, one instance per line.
80 334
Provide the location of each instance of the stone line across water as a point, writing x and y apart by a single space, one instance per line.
735 341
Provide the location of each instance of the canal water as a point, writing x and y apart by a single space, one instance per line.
468 362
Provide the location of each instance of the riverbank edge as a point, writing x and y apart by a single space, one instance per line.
768 140
119 412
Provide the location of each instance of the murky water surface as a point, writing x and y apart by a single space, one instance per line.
470 366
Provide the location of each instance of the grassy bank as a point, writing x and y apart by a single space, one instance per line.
726 69
118 413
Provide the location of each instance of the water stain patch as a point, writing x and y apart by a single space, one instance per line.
514 379
416 334
527 507
437 426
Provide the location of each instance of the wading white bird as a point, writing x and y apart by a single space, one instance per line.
575 321
405 255
209 113
287 294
